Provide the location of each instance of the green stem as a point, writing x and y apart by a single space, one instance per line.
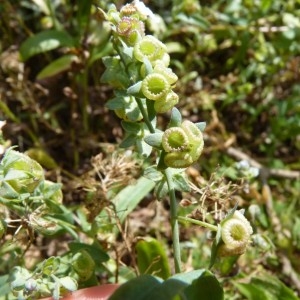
197 222
145 115
174 222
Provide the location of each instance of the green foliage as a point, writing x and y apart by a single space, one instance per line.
152 258
191 286
235 65
264 288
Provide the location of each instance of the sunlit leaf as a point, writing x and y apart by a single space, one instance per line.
45 41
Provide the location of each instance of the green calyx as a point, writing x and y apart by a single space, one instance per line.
183 145
166 103
131 30
155 86
149 48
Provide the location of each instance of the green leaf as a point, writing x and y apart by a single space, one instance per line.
4 285
181 182
116 103
215 247
206 287
201 125
128 141
131 127
45 41
152 174
127 200
176 118
95 251
138 289
68 283
195 285
152 258
265 288
50 265
134 89
57 66
154 139
114 73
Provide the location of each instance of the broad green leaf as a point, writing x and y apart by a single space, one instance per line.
55 67
152 258
95 251
45 41
127 200
138 289
206 287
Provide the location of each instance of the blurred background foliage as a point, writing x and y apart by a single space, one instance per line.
238 65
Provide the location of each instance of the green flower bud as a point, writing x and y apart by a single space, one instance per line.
155 86
21 172
167 103
149 48
160 68
183 145
236 233
131 30
83 264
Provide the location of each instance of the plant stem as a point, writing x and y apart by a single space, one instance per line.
145 115
174 222
197 222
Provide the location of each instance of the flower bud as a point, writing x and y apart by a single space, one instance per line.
167 103
183 145
131 30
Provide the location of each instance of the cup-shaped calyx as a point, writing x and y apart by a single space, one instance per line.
131 30
236 233
152 49
183 145
157 86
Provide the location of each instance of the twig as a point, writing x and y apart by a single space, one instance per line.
238 154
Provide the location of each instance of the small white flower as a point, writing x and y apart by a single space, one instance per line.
243 164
